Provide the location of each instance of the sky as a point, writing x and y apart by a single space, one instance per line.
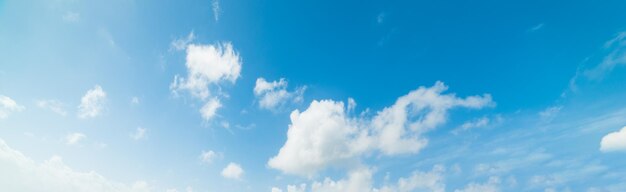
312 96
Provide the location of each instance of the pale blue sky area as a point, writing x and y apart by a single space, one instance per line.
290 96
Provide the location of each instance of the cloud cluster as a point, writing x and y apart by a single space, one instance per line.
92 103
20 173
361 180
325 135
207 67
272 95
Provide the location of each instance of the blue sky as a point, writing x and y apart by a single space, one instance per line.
288 96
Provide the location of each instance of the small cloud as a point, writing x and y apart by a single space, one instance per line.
92 103
140 133
208 156
71 17
232 171
550 112
536 27
215 5
181 44
52 105
273 95
134 100
74 138
8 106
615 141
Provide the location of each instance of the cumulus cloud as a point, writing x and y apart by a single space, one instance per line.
52 105
20 173
207 67
615 141
139 133
74 138
272 95
92 103
232 171
8 106
324 134
361 180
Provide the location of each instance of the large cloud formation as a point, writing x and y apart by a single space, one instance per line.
325 135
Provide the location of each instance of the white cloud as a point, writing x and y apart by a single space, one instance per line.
8 106
232 171
74 138
208 156
181 44
20 173
215 6
208 66
272 95
361 180
52 105
210 108
274 189
490 186
615 141
324 135
92 103
140 133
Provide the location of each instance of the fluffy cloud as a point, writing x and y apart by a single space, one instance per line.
140 133
8 106
92 103
615 141
232 171
324 134
74 138
274 94
208 66
361 180
20 173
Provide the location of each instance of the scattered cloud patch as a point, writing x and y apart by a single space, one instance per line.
140 133
92 103
492 185
74 138
20 173
207 67
615 141
325 135
232 171
8 106
550 112
52 105
272 95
